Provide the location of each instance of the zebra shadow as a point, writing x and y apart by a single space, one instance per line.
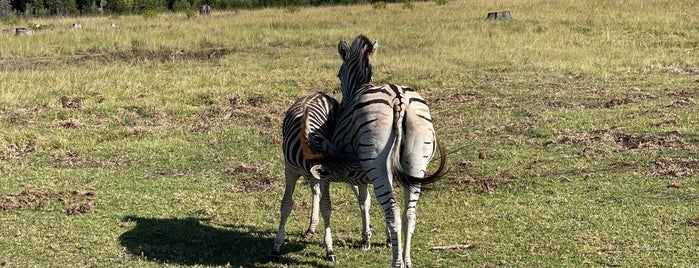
189 242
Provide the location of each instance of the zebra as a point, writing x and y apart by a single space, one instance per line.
205 10
387 132
311 120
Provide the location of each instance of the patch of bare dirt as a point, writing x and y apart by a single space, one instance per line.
251 171
69 123
617 101
651 142
681 102
71 102
77 202
676 167
256 100
614 99
625 141
255 182
15 150
80 208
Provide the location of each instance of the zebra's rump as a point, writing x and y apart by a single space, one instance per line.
319 110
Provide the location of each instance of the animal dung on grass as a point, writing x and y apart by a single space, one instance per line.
499 15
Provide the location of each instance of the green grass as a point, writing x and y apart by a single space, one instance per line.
165 150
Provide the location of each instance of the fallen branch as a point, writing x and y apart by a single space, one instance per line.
450 247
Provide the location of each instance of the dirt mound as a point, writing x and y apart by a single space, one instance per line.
77 202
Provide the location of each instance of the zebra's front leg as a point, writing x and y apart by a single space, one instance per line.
285 209
411 195
314 184
362 193
326 210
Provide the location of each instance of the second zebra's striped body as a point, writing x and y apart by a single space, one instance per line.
311 120
314 114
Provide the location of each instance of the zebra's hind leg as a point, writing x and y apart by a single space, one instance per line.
363 198
314 184
383 190
287 204
411 195
326 210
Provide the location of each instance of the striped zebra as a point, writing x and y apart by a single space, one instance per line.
383 132
311 120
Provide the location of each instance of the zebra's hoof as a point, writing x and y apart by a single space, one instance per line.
309 234
366 245
331 257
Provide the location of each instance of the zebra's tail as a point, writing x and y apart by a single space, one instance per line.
308 153
400 118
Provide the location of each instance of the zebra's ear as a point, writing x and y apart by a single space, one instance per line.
372 51
343 49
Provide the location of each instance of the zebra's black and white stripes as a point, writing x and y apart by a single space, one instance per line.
313 116
388 130
311 121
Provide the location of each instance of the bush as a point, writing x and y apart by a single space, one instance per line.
190 13
5 9
150 14
149 6
379 5
118 6
181 6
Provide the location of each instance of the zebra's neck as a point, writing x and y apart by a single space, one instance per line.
348 93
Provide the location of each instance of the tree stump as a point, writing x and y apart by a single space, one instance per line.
499 15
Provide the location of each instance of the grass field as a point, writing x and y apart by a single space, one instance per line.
158 143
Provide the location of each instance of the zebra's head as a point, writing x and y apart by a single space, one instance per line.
356 69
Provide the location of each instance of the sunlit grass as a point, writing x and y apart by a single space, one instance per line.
564 126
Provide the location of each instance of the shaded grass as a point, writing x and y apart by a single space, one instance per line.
565 127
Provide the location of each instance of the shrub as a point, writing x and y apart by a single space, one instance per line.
379 5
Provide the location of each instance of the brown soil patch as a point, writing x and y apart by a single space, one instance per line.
641 141
256 100
15 150
256 181
71 102
69 123
681 102
651 142
676 167
616 102
78 201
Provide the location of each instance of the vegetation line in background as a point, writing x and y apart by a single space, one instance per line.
38 8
